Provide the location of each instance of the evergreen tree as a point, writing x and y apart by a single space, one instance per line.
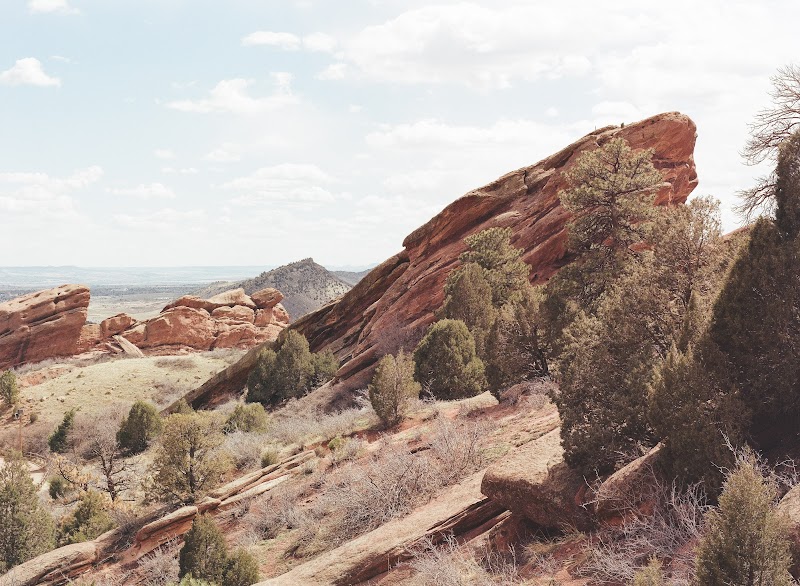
58 439
204 554
139 428
445 362
745 542
87 521
26 529
188 461
393 388
468 297
9 392
241 569
504 269
290 372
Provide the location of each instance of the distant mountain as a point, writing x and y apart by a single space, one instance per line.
351 277
305 285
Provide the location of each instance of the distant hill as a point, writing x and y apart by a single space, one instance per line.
306 286
351 277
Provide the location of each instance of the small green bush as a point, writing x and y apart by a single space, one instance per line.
393 388
247 418
9 392
204 556
87 521
58 487
650 575
325 366
139 428
269 457
58 439
241 569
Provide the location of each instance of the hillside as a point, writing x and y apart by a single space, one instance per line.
306 285
352 278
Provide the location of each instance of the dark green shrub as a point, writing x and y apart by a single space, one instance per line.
241 569
445 362
58 487
247 418
204 553
87 521
325 366
139 428
58 439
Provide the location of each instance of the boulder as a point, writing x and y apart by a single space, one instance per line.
62 562
279 315
179 326
240 335
231 298
267 298
629 488
42 325
392 306
191 301
238 313
91 336
534 482
116 324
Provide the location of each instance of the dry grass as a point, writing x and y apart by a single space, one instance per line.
245 449
452 565
296 424
614 554
160 566
113 382
176 362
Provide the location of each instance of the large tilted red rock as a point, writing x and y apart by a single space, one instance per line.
392 306
42 325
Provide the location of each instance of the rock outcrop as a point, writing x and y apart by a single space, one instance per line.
231 319
42 325
535 482
393 305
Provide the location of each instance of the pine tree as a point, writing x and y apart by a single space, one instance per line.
241 569
445 362
9 392
204 554
393 388
745 542
87 521
58 439
139 428
26 529
504 269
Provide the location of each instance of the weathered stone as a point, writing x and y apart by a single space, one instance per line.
628 488
116 324
534 481
42 325
267 298
238 313
63 560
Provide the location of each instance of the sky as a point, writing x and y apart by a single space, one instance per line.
259 132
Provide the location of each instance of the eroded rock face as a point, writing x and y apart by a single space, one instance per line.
534 482
42 325
228 320
393 305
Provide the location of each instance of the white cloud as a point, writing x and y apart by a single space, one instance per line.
164 154
231 96
226 153
151 191
315 42
165 220
28 71
46 6
180 170
39 193
288 182
333 71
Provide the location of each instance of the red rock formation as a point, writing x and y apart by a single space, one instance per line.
392 306
229 320
42 325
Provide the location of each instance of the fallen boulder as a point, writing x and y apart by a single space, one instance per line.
534 481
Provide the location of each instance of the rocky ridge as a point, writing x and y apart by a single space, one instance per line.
393 305
306 285
51 324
